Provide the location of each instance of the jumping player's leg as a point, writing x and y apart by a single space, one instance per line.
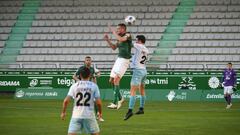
142 92
117 88
118 70
132 101
142 96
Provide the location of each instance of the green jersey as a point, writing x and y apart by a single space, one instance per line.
91 70
124 48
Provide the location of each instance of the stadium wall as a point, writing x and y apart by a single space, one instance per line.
172 86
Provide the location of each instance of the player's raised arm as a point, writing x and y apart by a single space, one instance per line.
118 37
113 46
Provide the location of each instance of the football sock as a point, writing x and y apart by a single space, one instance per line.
226 98
129 110
142 101
132 101
116 94
229 99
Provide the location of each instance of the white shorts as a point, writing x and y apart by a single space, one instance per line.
138 77
120 67
228 89
77 125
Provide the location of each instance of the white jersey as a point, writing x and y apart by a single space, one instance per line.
140 56
84 93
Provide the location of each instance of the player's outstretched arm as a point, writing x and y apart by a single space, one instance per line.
119 38
64 107
106 37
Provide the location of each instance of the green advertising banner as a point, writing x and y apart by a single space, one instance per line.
151 94
217 95
156 80
40 93
160 86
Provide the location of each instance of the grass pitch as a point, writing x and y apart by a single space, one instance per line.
42 117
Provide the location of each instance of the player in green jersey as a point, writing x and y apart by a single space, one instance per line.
124 45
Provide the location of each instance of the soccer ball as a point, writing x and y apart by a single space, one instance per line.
130 19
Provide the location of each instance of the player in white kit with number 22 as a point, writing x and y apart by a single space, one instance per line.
138 66
84 92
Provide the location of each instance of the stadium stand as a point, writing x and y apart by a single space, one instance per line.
181 34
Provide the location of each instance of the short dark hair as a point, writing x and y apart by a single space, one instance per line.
87 57
141 38
85 73
229 63
122 25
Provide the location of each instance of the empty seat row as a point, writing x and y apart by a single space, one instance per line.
95 29
150 22
157 16
76 36
101 16
221 66
101 66
70 44
217 51
93 9
154 22
39 66
161 9
186 66
215 15
95 16
99 9
213 2
64 36
204 58
212 29
205 22
62 58
216 43
7 23
10 9
65 51
5 30
217 8
11 3
83 50
5 16
110 9
108 3
64 44
4 37
2 43
75 29
210 36
77 22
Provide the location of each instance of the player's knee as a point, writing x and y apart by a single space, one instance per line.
111 80
117 80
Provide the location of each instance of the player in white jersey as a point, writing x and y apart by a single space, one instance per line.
138 66
85 93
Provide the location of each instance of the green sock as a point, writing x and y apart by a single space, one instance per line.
116 94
